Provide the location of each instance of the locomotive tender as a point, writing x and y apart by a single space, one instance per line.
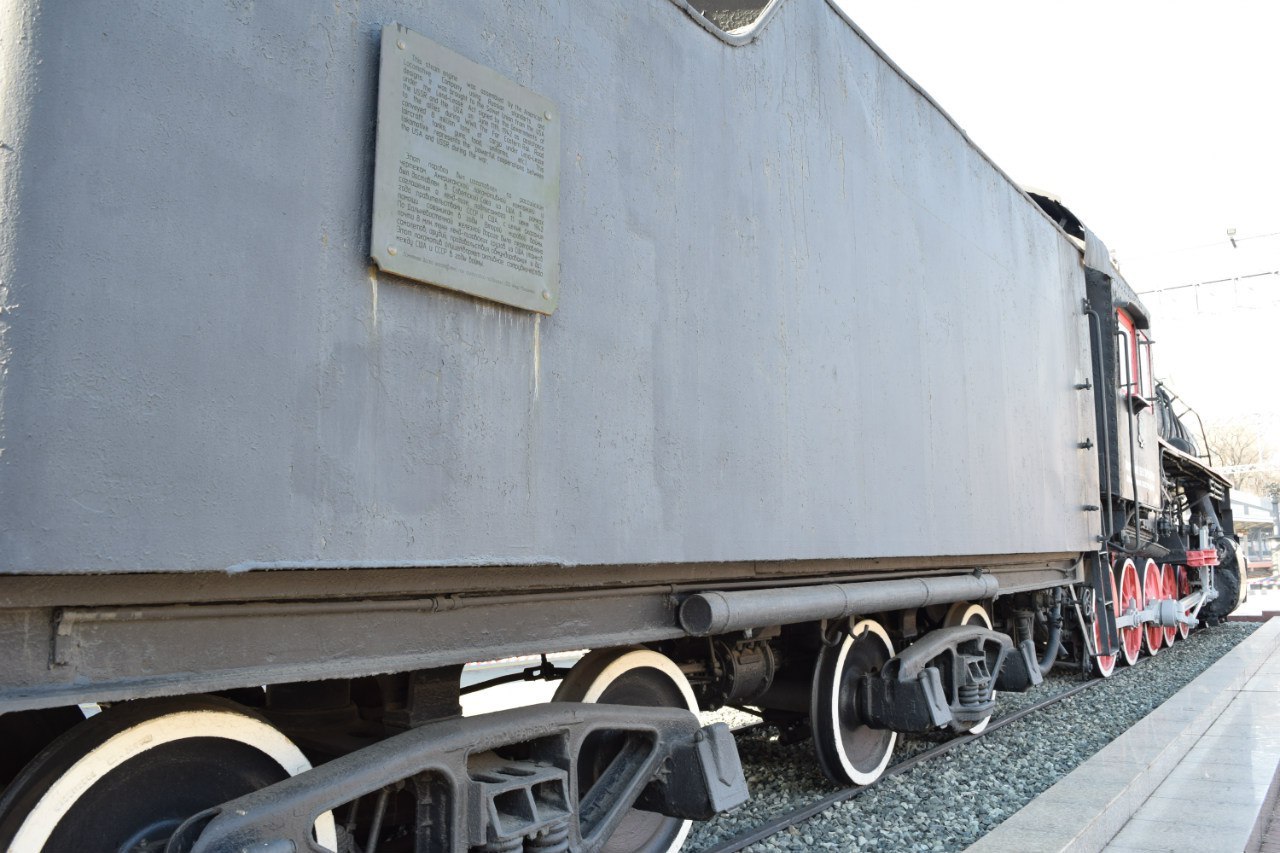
346 344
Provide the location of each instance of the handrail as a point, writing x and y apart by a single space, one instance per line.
1174 398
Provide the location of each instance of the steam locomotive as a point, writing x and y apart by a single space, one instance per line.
345 345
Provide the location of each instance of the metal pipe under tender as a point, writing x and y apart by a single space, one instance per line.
707 613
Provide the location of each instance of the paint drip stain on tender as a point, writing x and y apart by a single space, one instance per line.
537 352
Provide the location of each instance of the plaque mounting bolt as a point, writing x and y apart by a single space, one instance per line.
546 294
400 44
547 115
391 250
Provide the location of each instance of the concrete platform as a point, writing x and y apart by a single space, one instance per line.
1195 775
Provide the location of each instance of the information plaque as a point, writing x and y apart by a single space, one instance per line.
466 190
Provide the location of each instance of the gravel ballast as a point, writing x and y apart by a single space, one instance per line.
948 803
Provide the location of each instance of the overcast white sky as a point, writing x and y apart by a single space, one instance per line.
1159 125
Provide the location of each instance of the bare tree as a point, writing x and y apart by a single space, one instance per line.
1240 449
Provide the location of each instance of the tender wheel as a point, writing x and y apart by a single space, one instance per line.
849 752
1105 664
1152 590
1184 589
1169 582
628 676
25 733
963 613
122 781
1130 599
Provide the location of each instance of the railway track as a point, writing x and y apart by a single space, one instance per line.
793 817
943 806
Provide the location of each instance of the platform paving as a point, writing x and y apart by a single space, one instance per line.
1199 773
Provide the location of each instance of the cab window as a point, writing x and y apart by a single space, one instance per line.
1126 353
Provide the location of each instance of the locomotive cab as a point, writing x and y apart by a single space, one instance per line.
1167 533
1137 441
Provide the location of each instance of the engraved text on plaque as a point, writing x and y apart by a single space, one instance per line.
466 178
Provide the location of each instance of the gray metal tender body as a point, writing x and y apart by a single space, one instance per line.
801 317
734 362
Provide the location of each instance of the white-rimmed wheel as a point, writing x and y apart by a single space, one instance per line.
124 780
963 613
1130 601
628 676
1184 589
849 752
1169 584
1152 592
